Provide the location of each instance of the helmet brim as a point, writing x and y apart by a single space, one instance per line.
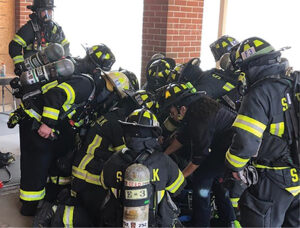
127 124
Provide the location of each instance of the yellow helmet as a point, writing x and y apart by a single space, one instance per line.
117 81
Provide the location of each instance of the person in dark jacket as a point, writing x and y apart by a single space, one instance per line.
207 126
264 135
141 130
36 34
57 112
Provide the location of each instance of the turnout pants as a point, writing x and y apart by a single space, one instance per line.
38 156
269 204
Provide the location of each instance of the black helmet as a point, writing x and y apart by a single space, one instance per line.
101 56
222 45
175 73
143 99
41 4
143 119
133 81
191 71
249 50
158 73
174 93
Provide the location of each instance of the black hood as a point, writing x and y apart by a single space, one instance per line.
263 67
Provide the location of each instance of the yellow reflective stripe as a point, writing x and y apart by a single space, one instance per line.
68 216
228 86
66 107
50 113
32 113
277 129
32 195
69 91
249 124
234 201
86 176
160 195
90 151
54 29
235 160
18 59
48 86
293 190
60 180
20 40
64 42
78 124
176 184
115 192
269 167
102 181
118 148
29 47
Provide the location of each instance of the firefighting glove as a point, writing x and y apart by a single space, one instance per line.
6 159
43 217
249 175
20 68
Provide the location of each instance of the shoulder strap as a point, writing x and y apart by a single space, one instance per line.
37 32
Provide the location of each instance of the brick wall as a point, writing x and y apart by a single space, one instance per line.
172 27
22 12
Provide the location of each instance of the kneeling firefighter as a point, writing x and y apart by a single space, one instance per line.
59 107
141 130
104 137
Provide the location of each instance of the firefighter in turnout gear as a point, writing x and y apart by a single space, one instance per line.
36 34
263 136
57 113
103 138
141 130
207 126
221 49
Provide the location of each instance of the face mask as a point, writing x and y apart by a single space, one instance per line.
45 15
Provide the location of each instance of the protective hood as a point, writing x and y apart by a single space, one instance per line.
263 67
142 144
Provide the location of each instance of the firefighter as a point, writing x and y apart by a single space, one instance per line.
59 111
221 49
104 138
219 84
264 134
141 130
36 34
207 126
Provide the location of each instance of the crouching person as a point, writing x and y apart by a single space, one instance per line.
141 130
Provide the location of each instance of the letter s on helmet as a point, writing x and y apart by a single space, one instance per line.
101 56
117 81
249 50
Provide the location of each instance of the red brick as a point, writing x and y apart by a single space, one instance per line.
193 3
185 21
186 9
